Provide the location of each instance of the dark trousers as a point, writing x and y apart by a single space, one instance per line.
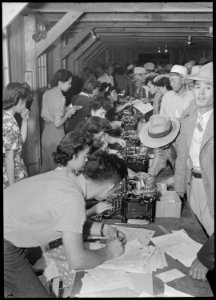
20 279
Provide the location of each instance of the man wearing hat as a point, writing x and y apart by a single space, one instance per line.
159 134
149 67
194 173
176 101
139 90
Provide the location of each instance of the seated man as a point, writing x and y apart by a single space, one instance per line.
54 207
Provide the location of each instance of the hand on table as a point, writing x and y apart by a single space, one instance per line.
101 207
111 232
121 142
198 270
115 247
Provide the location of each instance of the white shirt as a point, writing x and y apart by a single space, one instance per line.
197 138
172 105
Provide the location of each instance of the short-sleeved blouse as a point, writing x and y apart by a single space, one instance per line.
12 141
53 104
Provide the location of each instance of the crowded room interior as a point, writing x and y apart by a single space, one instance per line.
108 149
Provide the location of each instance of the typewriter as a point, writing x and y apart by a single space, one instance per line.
139 200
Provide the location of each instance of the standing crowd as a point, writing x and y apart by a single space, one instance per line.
77 164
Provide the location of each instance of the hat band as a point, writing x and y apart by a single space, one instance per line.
161 134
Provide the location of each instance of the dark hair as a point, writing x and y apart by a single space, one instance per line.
103 166
164 82
98 103
95 125
15 91
71 144
60 75
150 79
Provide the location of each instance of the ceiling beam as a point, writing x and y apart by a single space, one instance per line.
88 58
97 53
123 7
92 49
74 56
150 30
56 31
149 17
73 43
10 11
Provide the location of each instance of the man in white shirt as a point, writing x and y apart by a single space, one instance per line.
194 172
176 101
102 75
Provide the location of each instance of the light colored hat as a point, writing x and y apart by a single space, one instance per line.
160 76
139 70
149 66
150 75
205 73
178 70
195 69
130 67
159 131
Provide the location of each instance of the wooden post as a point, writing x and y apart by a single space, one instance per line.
32 145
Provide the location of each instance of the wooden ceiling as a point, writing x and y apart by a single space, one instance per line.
132 24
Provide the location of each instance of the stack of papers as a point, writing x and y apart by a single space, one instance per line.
137 259
142 235
178 245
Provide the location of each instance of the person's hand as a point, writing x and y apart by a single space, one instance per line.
70 111
102 206
111 232
121 142
25 114
198 270
115 247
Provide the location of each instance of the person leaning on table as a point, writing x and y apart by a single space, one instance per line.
54 207
194 170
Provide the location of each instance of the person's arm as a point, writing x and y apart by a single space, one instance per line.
24 127
59 120
9 166
80 258
112 140
99 208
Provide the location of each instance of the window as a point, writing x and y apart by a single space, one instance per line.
42 65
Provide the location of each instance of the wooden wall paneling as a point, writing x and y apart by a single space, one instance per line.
90 51
57 30
32 145
16 49
99 57
94 54
73 42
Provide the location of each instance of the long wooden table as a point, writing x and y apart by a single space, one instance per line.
161 226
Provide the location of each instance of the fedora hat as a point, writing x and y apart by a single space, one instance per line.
159 131
139 70
205 73
178 70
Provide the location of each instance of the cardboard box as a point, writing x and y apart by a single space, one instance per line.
169 205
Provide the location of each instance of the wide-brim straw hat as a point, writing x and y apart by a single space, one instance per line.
205 73
160 76
159 131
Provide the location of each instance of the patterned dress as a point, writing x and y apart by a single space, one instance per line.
12 141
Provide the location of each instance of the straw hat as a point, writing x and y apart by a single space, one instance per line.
138 70
205 73
159 131
178 70
160 76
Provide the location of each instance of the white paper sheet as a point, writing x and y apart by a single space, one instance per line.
171 292
143 235
143 107
178 245
170 275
